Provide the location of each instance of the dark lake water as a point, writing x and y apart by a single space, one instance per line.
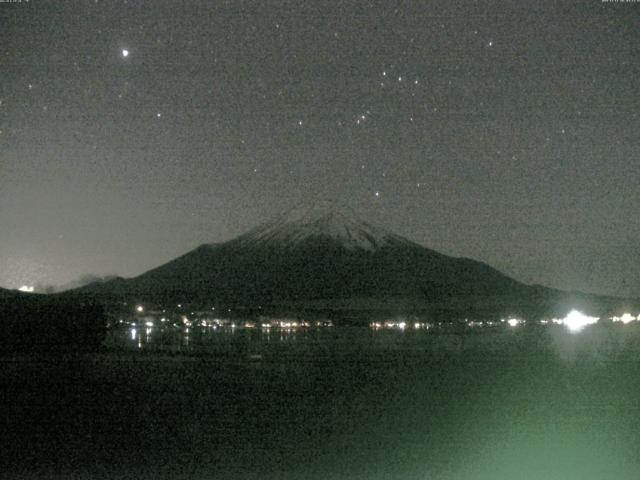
329 403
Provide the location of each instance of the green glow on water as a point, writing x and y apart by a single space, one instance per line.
346 404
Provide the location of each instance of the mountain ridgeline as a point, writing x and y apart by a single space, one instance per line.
321 254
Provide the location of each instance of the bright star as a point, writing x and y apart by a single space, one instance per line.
125 52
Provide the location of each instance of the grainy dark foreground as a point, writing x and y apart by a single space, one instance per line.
345 403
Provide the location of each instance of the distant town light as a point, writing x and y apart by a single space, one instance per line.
27 288
576 321
514 322
625 318
139 309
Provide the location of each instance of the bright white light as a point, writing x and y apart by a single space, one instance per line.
149 324
402 325
27 288
125 52
625 318
139 309
576 321
513 322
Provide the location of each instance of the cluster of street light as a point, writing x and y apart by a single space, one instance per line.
574 321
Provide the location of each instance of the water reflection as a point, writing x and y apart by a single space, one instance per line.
399 332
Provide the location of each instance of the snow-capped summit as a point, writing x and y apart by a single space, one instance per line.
323 220
320 252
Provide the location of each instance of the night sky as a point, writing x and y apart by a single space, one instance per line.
508 132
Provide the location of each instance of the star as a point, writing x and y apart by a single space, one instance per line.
158 114
125 52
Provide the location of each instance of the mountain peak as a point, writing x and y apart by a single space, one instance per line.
321 220
319 211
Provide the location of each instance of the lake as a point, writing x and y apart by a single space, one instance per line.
329 403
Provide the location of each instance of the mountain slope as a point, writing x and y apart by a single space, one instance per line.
314 253
7 293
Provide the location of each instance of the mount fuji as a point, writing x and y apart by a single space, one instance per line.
321 254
